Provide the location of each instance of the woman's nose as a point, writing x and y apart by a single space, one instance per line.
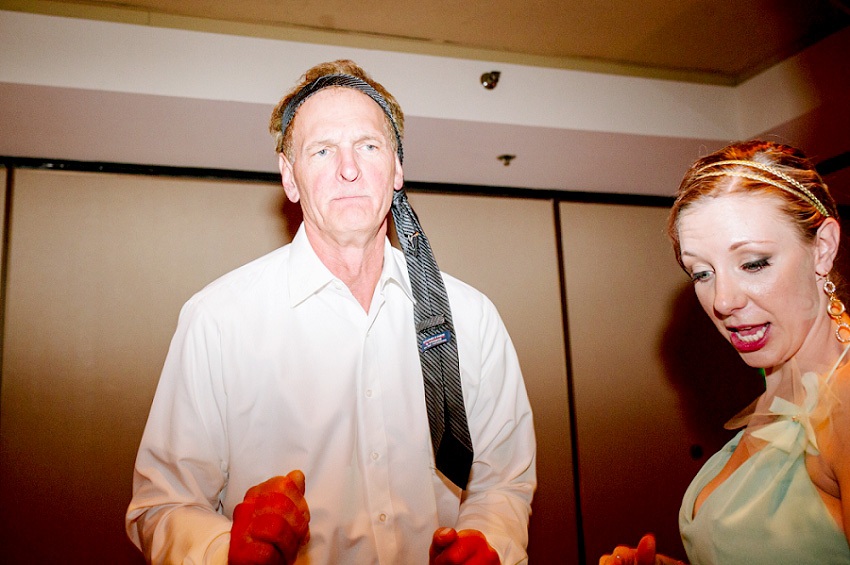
728 295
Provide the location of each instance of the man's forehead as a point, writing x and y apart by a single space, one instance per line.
339 95
337 105
350 82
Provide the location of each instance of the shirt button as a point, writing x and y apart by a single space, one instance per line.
382 517
369 393
375 456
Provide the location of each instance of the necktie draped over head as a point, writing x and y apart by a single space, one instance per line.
347 81
435 335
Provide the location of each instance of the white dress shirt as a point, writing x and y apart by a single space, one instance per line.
276 366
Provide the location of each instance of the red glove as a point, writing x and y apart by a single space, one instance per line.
466 547
643 554
271 523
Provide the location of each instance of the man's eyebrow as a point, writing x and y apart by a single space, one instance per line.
319 142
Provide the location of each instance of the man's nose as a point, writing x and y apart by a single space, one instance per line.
349 170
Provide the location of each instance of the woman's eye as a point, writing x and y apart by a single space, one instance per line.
754 266
700 276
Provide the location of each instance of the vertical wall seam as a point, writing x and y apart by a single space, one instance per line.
571 403
4 261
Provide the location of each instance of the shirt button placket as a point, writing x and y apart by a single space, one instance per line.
374 424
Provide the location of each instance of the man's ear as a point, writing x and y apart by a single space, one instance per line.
287 178
398 180
827 241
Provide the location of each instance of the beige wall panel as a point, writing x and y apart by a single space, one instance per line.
633 459
650 375
99 267
506 248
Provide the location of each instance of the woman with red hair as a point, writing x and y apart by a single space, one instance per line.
756 230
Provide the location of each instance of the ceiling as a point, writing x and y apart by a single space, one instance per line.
629 92
720 41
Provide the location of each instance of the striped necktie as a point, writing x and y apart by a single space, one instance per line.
437 343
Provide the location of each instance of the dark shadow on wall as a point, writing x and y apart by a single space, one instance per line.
711 379
291 216
842 261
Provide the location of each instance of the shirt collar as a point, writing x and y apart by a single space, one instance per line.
308 275
395 270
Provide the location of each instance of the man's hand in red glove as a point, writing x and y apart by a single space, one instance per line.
271 523
466 547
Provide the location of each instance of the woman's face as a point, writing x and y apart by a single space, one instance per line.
754 276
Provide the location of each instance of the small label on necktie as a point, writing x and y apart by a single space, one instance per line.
436 340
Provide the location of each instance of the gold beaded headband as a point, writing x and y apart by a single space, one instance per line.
796 187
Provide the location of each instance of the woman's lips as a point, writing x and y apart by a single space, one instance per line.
749 338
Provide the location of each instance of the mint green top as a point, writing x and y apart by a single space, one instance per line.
768 511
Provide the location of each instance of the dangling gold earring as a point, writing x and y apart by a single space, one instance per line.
836 310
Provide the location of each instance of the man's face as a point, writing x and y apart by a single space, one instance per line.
345 168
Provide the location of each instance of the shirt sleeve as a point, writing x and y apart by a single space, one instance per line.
498 498
175 514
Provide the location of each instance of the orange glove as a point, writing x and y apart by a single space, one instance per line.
271 523
466 547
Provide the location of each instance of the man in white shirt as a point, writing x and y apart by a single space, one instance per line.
290 422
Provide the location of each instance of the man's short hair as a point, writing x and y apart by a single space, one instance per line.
283 139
